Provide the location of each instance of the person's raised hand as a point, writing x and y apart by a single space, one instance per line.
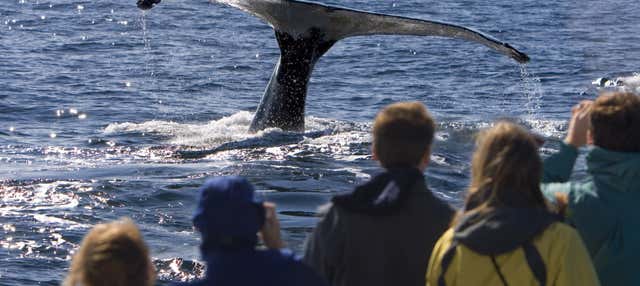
562 203
579 124
270 231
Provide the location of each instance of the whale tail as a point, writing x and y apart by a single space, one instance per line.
297 18
305 31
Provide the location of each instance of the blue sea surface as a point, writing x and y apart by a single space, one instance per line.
97 97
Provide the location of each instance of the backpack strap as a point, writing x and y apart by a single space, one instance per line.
495 265
532 255
535 263
446 261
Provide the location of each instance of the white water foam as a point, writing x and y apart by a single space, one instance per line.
227 129
216 132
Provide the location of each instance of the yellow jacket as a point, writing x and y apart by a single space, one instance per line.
562 250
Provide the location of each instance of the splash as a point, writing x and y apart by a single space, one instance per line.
226 129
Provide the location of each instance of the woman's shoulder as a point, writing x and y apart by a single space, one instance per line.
557 238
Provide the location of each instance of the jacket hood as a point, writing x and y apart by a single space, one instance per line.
621 169
382 195
501 230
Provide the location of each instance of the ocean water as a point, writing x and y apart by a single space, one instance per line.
96 98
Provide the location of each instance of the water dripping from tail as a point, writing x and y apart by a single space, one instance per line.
532 91
149 69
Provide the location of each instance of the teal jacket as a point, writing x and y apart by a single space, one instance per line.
604 208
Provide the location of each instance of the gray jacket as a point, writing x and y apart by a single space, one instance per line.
352 249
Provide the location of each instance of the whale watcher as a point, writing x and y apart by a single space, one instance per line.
603 207
507 233
382 233
112 254
229 219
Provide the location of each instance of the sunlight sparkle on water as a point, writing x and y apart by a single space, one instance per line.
53 135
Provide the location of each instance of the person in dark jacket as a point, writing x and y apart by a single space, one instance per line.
603 206
382 233
507 234
229 217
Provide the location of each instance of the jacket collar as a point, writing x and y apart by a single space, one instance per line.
500 230
384 194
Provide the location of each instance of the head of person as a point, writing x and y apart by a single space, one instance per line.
615 122
402 136
505 170
112 254
228 215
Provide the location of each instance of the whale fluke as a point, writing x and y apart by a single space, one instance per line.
297 17
305 31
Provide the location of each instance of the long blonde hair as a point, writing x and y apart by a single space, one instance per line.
112 254
506 169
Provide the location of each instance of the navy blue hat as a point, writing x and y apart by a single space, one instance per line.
227 208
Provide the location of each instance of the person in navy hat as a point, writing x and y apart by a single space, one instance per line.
230 220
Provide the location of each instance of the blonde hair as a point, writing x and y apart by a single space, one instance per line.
505 170
402 134
112 254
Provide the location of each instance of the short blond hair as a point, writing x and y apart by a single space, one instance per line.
112 254
402 134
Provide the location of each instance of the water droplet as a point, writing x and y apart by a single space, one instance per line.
73 111
53 135
82 116
257 55
80 7
59 112
127 83
12 129
43 17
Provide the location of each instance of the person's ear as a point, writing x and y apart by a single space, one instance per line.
425 160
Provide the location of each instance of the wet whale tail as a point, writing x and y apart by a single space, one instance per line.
305 31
